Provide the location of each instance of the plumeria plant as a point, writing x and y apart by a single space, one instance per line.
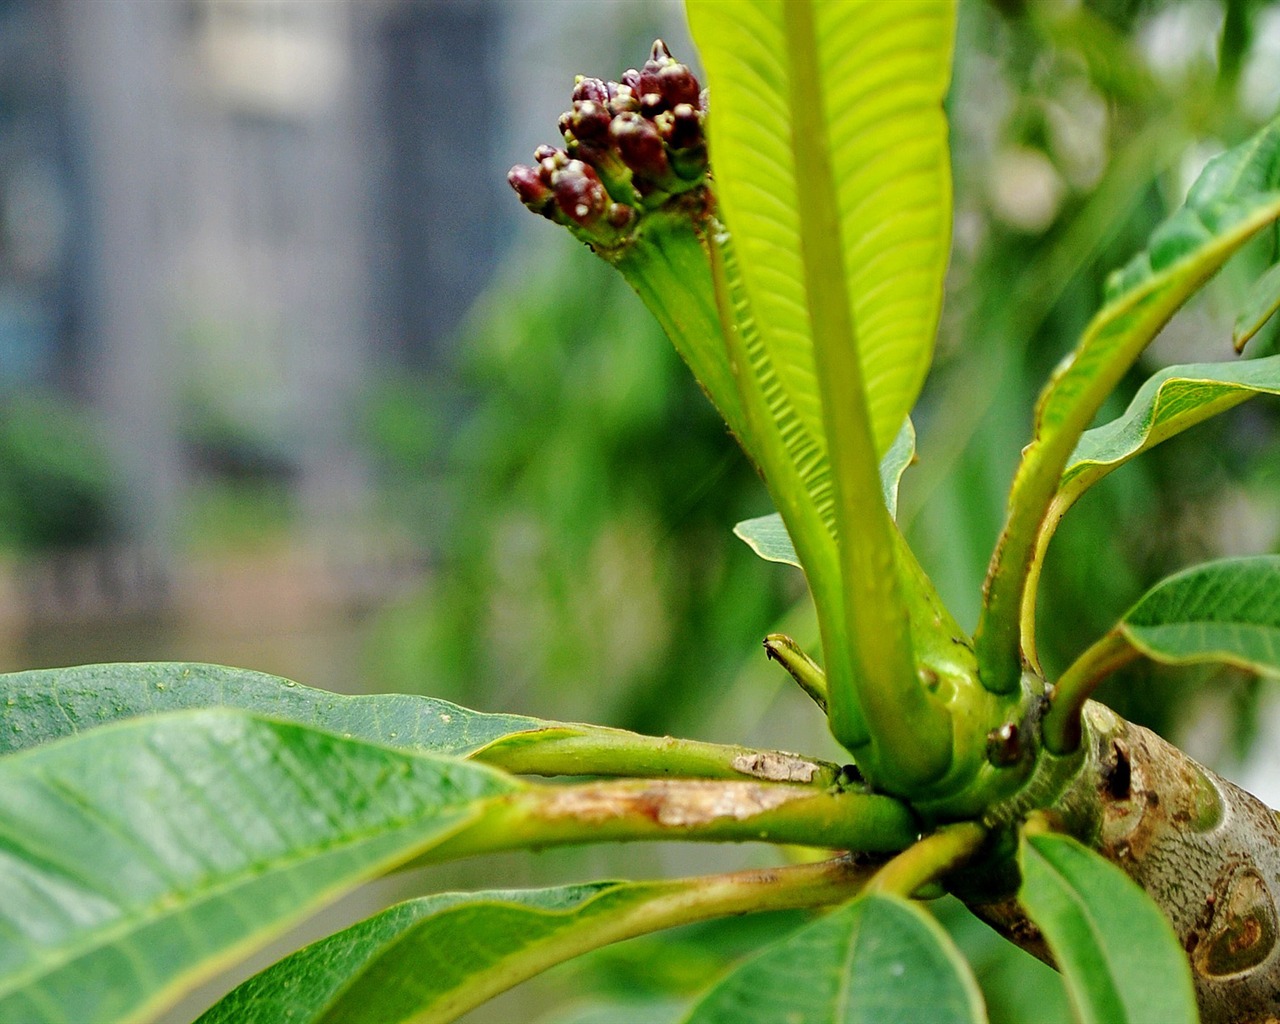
790 229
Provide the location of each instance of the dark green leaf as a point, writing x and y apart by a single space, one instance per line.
143 857
879 960
1117 952
1225 611
48 704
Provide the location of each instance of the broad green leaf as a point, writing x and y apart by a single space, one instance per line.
41 706
1225 611
1260 305
1234 198
432 959
878 960
142 857
1170 402
883 70
767 535
47 704
1118 955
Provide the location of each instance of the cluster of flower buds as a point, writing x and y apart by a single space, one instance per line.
629 147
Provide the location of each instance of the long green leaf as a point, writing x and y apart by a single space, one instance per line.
883 70
47 704
829 144
767 535
1225 611
40 706
1233 199
1118 955
140 858
1170 402
879 960
432 959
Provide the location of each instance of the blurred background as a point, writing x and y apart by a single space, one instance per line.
289 380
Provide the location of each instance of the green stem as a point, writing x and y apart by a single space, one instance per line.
596 750
668 266
1061 725
802 668
789 490
911 733
672 904
929 860
665 809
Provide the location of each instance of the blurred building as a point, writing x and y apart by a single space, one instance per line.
218 218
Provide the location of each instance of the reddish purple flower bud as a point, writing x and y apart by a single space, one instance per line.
652 104
686 127
589 121
640 146
659 53
579 193
630 78
676 84
591 89
544 153
530 188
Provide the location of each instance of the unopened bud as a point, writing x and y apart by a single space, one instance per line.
588 121
677 85
579 193
685 127
530 188
630 78
641 146
591 89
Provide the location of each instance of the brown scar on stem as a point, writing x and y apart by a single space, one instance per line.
681 806
775 766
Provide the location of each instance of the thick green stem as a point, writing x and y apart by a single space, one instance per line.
930 859
911 733
668 266
787 486
1061 725
636 810
596 750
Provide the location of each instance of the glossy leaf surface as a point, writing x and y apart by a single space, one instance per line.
48 704
1173 400
143 857
1233 199
767 535
433 958
883 70
1118 955
878 960
1225 611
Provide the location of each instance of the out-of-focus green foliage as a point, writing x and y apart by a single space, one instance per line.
580 530
55 478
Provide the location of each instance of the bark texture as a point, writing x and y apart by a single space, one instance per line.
1205 850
